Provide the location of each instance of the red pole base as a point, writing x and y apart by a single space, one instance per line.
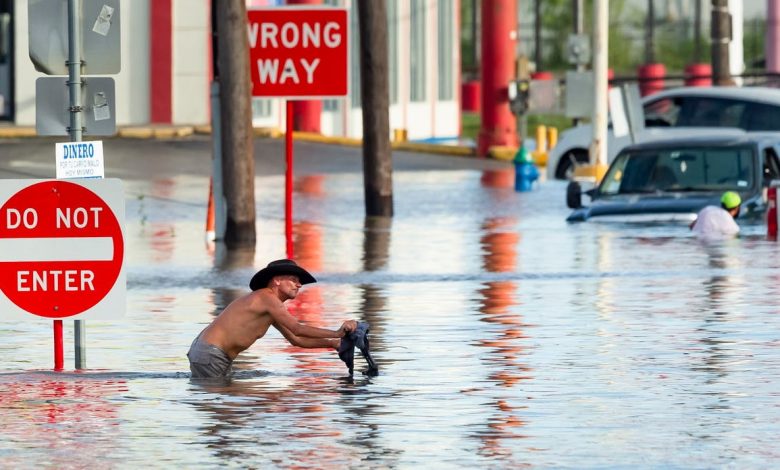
59 360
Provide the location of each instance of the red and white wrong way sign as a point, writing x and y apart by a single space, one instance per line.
299 52
62 249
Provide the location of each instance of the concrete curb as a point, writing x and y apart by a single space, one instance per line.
155 132
13 132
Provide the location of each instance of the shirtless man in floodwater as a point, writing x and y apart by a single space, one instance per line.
247 319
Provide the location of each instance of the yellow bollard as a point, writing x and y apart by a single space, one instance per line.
541 139
552 137
540 154
399 135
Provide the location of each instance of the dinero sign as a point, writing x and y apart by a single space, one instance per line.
299 52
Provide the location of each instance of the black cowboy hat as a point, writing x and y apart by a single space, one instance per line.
279 267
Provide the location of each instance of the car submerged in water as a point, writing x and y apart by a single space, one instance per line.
671 180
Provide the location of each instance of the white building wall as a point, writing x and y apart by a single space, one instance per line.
191 57
131 84
420 115
446 113
24 72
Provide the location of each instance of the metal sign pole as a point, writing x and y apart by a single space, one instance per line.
74 70
288 180
74 88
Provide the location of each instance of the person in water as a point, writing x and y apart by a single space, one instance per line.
247 319
714 221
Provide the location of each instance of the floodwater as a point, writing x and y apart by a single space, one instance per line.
505 337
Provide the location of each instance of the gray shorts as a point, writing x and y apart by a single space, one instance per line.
208 361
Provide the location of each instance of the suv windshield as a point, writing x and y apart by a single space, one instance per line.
680 169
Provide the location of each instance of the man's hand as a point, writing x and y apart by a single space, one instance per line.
347 326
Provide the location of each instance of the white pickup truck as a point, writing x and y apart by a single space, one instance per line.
673 113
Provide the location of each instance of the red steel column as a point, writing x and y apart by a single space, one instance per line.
698 75
499 23
651 78
307 112
160 61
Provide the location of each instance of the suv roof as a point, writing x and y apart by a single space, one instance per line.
731 137
760 94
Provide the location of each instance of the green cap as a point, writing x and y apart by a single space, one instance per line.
730 200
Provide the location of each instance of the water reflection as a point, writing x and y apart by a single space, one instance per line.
226 261
504 351
376 255
293 414
506 337
498 178
722 305
310 185
308 306
162 237
63 416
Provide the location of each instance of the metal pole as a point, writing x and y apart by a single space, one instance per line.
538 35
598 149
75 130
579 21
74 70
697 32
650 33
288 177
497 68
720 35
579 28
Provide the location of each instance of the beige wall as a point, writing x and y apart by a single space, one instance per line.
191 61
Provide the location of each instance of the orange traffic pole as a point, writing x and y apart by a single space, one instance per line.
210 232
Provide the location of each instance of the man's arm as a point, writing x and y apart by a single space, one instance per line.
304 342
282 318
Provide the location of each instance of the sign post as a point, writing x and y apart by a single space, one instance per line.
298 53
92 34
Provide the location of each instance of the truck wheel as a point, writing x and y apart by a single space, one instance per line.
569 161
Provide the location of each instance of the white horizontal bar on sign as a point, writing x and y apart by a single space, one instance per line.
56 249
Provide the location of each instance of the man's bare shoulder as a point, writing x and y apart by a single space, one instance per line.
263 300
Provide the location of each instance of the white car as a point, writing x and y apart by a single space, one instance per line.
673 112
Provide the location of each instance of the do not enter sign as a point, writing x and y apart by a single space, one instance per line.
62 248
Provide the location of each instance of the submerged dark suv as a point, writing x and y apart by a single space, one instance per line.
671 180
